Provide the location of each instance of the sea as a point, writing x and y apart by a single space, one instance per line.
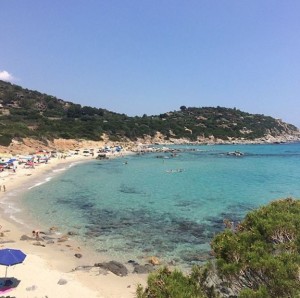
162 204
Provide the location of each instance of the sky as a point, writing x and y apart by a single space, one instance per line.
152 56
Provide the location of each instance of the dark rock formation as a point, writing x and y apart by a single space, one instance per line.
114 267
142 269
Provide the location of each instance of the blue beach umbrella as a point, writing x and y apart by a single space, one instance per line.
11 160
10 257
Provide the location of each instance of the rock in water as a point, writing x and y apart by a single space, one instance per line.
154 261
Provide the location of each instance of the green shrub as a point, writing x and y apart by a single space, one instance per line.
5 140
170 284
263 253
260 293
259 259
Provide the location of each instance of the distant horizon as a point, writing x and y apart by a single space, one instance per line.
149 57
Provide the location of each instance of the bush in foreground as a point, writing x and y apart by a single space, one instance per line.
259 259
263 253
165 283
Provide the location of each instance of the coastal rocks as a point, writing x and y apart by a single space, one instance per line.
195 257
7 241
142 269
132 262
32 288
78 256
114 267
53 230
62 281
83 268
63 238
154 261
118 268
38 243
47 238
25 237
71 233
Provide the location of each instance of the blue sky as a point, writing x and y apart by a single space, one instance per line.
152 56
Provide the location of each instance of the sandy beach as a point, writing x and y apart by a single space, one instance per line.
48 269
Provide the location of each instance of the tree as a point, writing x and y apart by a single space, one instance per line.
262 255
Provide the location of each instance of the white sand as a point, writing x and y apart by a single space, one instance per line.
45 266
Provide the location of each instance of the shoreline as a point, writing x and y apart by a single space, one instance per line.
47 265
50 263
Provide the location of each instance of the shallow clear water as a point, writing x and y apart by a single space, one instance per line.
169 207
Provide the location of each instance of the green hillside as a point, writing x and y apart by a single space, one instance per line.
28 113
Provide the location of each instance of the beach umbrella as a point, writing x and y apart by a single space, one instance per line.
11 160
10 257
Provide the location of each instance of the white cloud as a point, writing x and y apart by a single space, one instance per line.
6 76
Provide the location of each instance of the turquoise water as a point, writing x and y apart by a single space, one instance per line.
156 204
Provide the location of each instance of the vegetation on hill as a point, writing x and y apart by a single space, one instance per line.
259 258
27 113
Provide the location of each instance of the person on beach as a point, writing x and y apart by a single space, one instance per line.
35 234
4 187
